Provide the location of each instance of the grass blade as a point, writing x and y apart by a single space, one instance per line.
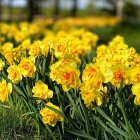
80 134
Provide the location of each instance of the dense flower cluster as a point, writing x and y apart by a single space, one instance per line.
65 72
25 30
18 31
24 61
42 58
92 80
124 63
87 22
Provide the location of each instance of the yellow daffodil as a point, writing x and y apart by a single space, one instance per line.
41 90
14 73
5 90
50 117
27 67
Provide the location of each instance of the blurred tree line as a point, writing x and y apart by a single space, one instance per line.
0 10
124 7
34 7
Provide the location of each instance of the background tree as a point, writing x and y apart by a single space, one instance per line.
0 10
10 10
56 8
34 8
118 6
74 8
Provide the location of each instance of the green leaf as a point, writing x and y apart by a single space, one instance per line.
55 110
18 90
44 66
80 134
133 132
105 115
117 129
28 88
37 98
5 106
123 125
27 114
104 125
105 136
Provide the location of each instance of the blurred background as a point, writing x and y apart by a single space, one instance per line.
126 11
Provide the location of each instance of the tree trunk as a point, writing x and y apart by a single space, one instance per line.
119 8
33 9
30 10
0 10
57 7
74 8
10 11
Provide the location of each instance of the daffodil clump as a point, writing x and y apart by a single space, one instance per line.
29 65
66 73
19 32
92 84
24 29
44 65
86 22
124 63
